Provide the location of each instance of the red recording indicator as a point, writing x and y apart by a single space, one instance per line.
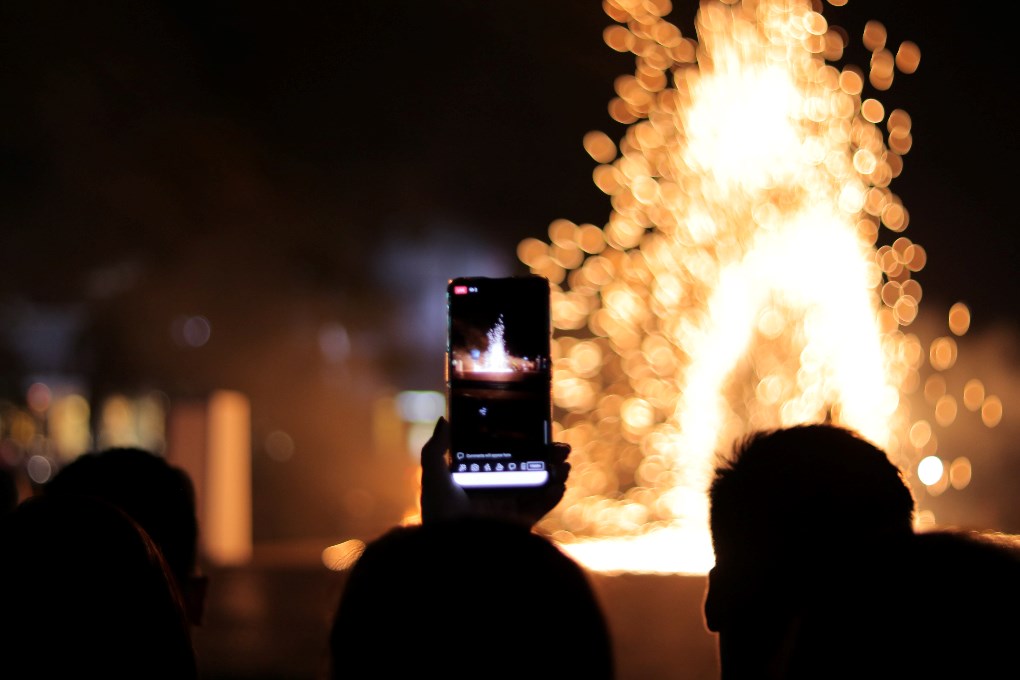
460 290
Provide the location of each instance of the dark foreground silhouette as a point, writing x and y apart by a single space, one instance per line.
87 594
819 573
467 598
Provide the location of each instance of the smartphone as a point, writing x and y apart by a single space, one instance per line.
499 380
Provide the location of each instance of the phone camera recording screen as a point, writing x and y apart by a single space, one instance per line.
499 380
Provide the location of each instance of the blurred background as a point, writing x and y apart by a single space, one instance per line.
229 225
227 196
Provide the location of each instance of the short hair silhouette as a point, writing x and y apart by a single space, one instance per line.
157 495
782 491
88 594
789 510
468 598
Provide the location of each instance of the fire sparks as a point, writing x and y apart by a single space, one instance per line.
495 358
738 283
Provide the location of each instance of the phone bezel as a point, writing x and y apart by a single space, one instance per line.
520 298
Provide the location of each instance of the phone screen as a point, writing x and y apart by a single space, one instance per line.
498 376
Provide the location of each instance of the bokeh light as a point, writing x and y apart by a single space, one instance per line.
753 271
930 470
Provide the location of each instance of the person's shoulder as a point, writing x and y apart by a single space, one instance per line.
974 574
959 548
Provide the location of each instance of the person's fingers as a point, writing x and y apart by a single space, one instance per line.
558 473
559 468
433 454
440 495
558 452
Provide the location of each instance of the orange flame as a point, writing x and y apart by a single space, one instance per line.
737 284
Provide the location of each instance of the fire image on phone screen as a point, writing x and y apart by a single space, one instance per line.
498 380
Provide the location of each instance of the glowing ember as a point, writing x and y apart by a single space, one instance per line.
738 283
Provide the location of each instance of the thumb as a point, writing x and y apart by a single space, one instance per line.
435 473
433 453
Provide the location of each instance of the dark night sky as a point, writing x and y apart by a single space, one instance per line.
135 131
271 165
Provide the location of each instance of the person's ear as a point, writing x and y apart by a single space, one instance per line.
713 601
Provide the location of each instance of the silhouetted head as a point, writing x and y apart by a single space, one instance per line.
468 598
157 495
789 509
783 491
88 594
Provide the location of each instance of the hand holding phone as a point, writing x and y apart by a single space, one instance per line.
442 498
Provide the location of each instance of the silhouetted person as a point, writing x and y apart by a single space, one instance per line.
87 594
469 597
473 592
788 511
157 495
819 573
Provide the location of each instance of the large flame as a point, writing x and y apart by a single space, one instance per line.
738 283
